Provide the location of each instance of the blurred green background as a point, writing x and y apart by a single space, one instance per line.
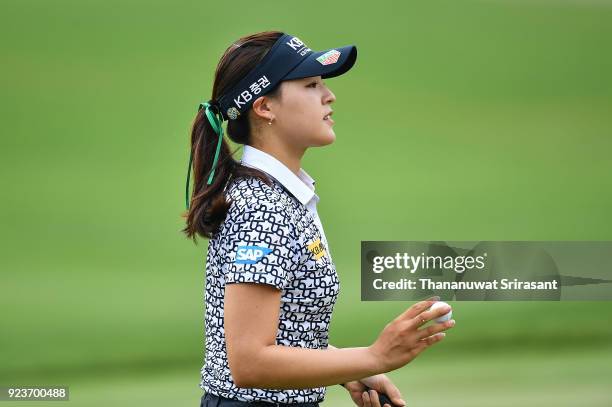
461 120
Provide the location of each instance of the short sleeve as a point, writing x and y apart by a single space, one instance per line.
262 246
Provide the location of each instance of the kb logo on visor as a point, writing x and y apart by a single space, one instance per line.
298 46
250 254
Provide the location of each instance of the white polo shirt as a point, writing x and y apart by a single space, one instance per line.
271 235
301 186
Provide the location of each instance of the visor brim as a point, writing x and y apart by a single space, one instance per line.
312 67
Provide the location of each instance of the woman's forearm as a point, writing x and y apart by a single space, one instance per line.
330 346
288 367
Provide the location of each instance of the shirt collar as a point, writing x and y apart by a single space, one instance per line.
301 186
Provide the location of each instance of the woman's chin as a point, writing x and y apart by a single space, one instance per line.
330 136
324 138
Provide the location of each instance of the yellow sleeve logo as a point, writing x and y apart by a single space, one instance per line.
317 248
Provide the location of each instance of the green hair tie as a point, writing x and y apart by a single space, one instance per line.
216 121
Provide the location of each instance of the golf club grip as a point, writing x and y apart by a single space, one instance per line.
383 398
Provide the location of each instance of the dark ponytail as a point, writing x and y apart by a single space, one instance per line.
208 205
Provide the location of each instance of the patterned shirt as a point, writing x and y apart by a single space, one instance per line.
271 235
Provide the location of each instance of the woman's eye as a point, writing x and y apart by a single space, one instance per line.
312 85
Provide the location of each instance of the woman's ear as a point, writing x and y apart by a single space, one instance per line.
262 108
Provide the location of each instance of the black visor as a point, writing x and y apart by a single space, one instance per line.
289 58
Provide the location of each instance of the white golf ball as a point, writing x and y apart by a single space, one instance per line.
444 317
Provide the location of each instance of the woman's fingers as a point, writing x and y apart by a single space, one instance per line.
420 347
416 309
357 398
434 329
374 398
426 343
371 397
430 340
366 399
425 316
393 394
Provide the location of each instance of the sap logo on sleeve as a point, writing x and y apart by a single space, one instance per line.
250 254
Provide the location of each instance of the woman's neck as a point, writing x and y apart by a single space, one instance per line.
290 158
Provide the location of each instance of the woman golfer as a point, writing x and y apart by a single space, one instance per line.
271 284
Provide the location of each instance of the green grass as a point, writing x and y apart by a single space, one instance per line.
436 378
474 120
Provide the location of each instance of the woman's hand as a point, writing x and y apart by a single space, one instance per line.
401 340
377 383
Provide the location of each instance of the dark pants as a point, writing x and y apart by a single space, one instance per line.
211 400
